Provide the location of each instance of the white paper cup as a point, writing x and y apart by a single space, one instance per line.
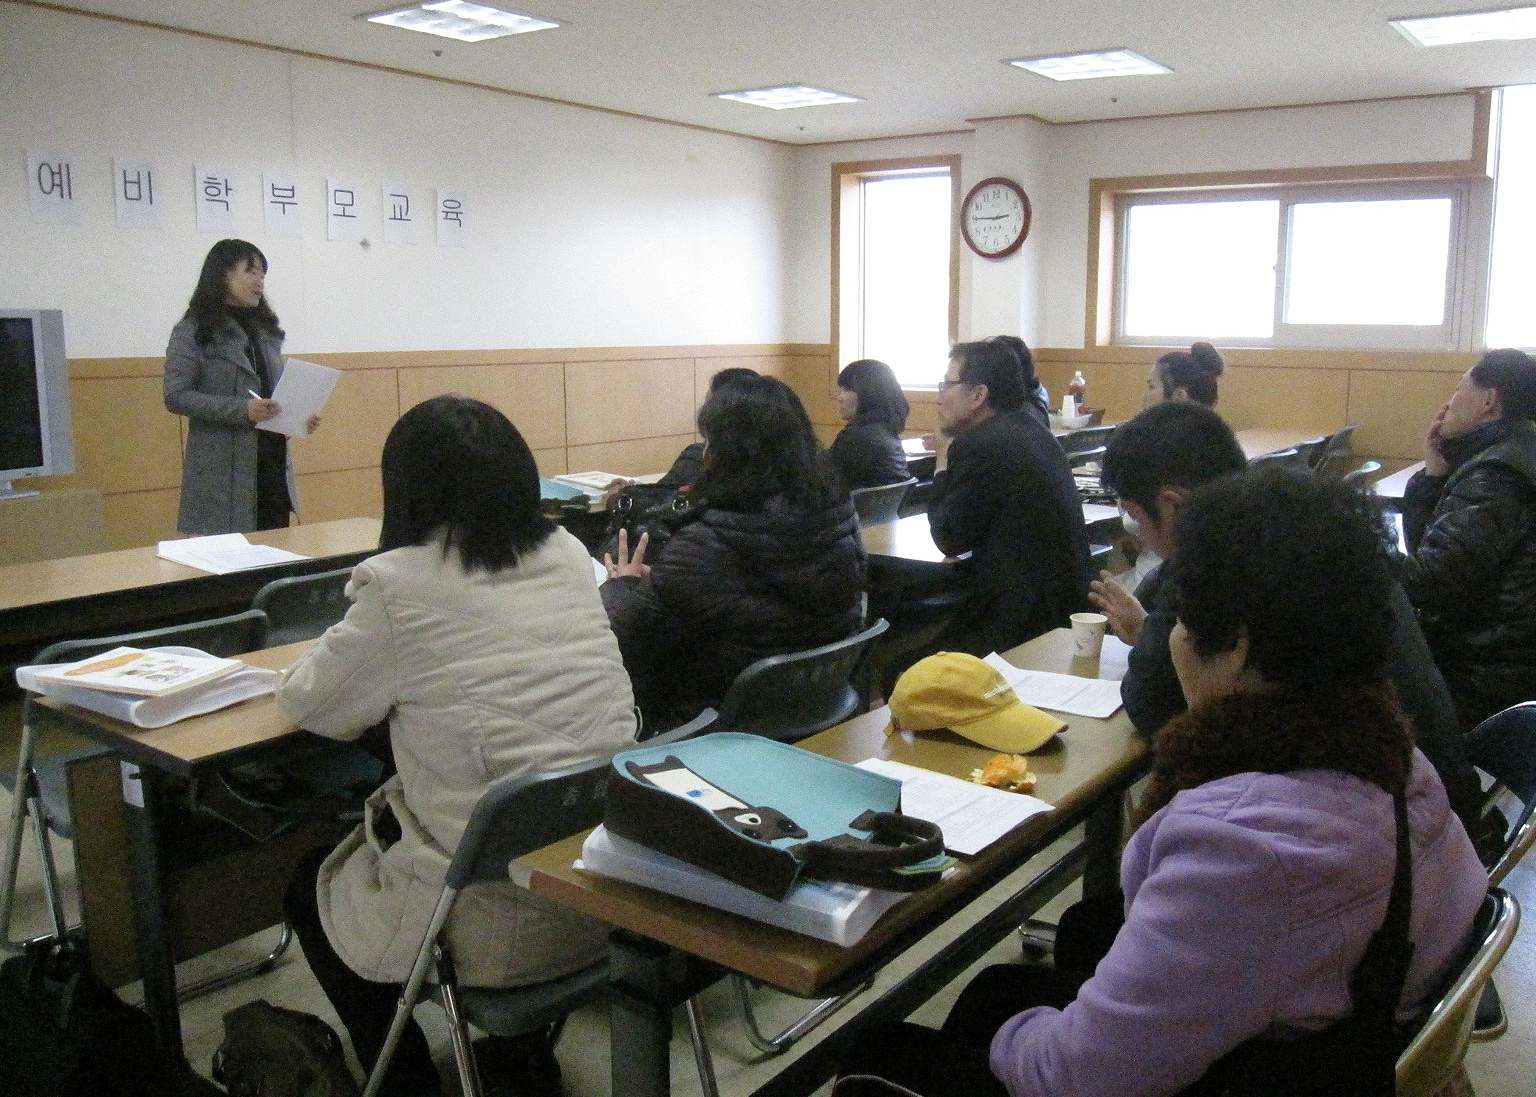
1088 634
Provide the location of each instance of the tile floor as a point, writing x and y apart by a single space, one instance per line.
1502 1068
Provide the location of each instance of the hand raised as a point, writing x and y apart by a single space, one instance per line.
628 564
1126 615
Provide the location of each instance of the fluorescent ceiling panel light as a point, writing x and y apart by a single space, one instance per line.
461 21
788 96
1475 26
1092 65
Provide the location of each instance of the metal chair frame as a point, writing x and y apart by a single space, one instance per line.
816 682
301 607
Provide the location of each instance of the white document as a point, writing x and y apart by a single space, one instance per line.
223 553
1060 692
971 816
155 712
301 391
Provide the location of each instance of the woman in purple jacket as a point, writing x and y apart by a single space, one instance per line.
1264 853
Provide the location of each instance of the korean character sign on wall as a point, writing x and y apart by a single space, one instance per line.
280 203
343 212
406 213
215 192
52 179
452 214
136 194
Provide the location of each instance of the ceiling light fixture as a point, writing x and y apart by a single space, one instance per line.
788 96
1092 65
1473 26
461 21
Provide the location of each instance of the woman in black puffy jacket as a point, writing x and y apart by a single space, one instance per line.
769 561
867 452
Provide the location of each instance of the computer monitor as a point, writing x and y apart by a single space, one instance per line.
35 436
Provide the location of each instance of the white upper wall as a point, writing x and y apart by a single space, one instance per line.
587 229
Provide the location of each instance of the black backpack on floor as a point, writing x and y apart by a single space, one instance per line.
269 1051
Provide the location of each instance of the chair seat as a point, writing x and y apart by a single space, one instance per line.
511 1011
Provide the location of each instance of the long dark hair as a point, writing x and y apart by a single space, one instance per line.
879 393
209 306
1195 371
458 467
758 444
1031 378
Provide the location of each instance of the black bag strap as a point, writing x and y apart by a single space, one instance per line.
895 842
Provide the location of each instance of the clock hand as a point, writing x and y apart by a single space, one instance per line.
999 217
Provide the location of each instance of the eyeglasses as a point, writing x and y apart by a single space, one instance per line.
945 386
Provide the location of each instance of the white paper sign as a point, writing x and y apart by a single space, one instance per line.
405 213
51 181
214 187
136 194
452 210
301 391
280 200
343 220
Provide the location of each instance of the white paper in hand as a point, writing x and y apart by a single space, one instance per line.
301 392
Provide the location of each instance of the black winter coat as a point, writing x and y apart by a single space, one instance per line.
1471 572
730 588
868 453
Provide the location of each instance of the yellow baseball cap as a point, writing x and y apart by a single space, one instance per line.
962 693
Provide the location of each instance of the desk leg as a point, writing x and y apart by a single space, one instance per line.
157 963
640 1016
1103 830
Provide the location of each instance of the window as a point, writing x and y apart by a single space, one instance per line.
895 260
1371 265
1512 276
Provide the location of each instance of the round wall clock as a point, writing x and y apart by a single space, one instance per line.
995 217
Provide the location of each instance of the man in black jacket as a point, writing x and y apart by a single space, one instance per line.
1153 463
1002 493
1470 524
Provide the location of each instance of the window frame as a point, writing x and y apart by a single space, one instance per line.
847 237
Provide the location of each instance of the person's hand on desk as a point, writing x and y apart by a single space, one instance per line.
627 563
1126 615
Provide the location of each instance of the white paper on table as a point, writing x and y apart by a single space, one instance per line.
1060 692
222 553
301 391
971 816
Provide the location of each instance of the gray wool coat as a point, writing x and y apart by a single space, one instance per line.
211 386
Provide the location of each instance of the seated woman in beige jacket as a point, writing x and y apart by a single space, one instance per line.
478 633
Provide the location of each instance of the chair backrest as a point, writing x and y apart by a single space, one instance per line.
1286 458
518 815
1436 1049
1084 439
1078 459
1308 452
301 607
221 636
788 697
702 724
1336 450
1361 476
882 503
1504 747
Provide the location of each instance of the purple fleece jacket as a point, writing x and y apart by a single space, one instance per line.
1249 901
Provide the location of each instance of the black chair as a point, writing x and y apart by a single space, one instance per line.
1081 441
1336 452
1286 458
1361 477
880 504
1435 1051
1082 458
39 783
788 697
301 607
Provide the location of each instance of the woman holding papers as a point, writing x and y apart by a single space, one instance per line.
1265 854
223 361
478 634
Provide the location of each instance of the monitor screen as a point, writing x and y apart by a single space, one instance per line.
21 421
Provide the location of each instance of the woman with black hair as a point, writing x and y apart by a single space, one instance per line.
1264 850
223 361
1185 375
867 452
477 633
768 562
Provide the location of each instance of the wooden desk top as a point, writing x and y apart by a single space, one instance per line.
1074 772
911 538
187 745
1257 441
44 581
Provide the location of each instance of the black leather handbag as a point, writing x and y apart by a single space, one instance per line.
645 508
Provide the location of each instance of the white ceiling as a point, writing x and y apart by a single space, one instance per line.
922 66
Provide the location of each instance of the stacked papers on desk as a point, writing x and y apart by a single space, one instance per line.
840 913
223 553
153 712
971 816
1096 697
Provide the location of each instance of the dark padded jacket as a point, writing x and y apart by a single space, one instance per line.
730 588
868 453
1471 570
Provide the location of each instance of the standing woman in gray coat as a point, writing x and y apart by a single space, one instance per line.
223 361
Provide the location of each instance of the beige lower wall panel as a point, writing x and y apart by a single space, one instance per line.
616 401
1394 411
530 394
357 419
138 518
349 493
125 440
551 462
1305 399
633 457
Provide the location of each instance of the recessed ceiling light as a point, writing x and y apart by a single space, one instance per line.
788 96
1092 65
1473 26
461 21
